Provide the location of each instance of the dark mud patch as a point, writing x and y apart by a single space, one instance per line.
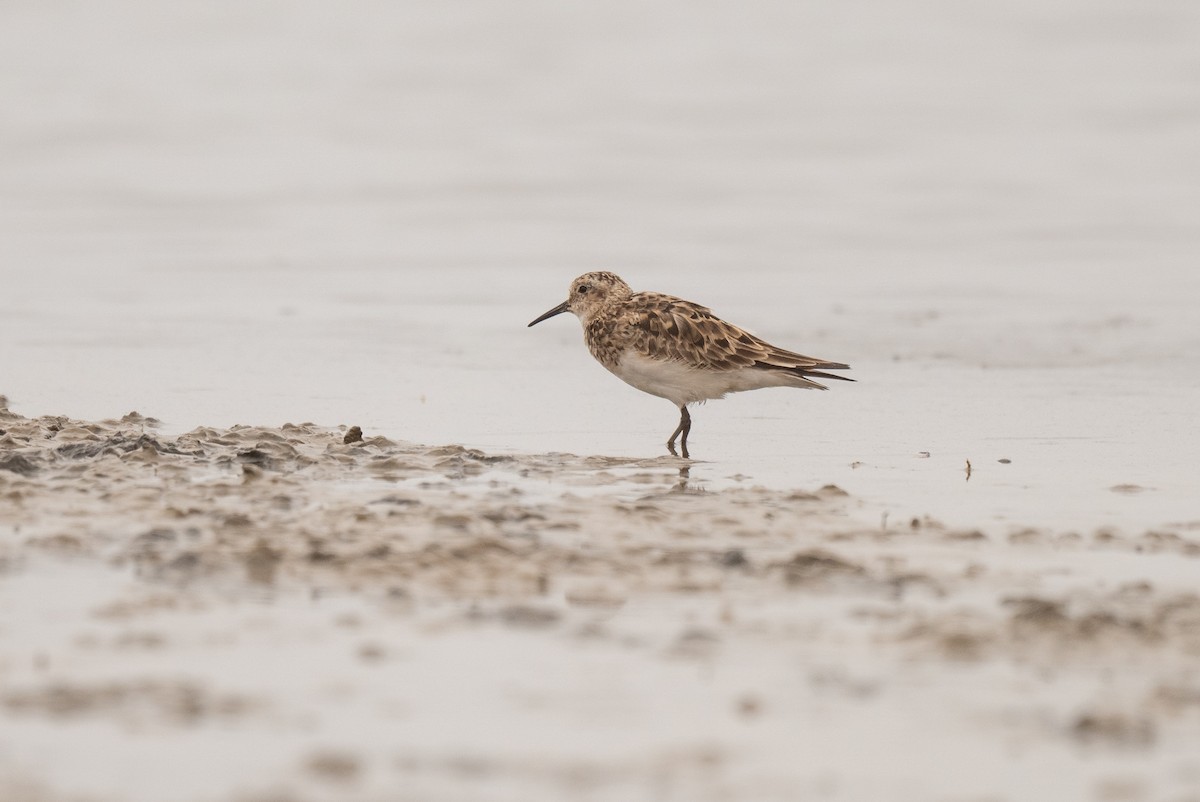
175 702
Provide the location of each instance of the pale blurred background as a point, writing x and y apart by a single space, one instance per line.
260 212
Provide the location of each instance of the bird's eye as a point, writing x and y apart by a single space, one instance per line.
583 288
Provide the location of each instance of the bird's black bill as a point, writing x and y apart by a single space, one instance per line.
558 310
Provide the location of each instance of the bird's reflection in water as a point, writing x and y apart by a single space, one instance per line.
683 485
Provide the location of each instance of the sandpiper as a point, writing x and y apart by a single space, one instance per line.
679 350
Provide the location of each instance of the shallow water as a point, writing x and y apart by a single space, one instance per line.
261 213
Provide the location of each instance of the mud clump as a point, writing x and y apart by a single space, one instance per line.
18 464
1107 619
963 646
816 567
529 617
176 702
1113 729
261 563
341 767
119 443
733 558
1035 612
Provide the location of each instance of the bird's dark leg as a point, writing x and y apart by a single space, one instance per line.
671 442
685 426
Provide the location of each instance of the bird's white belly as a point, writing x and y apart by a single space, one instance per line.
682 384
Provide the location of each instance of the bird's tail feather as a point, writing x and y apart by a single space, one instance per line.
806 375
822 375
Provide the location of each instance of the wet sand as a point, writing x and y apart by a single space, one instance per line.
261 613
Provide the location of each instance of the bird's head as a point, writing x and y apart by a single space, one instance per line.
589 295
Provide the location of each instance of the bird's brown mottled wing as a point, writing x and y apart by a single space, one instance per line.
665 327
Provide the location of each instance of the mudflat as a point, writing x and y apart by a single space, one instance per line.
302 612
